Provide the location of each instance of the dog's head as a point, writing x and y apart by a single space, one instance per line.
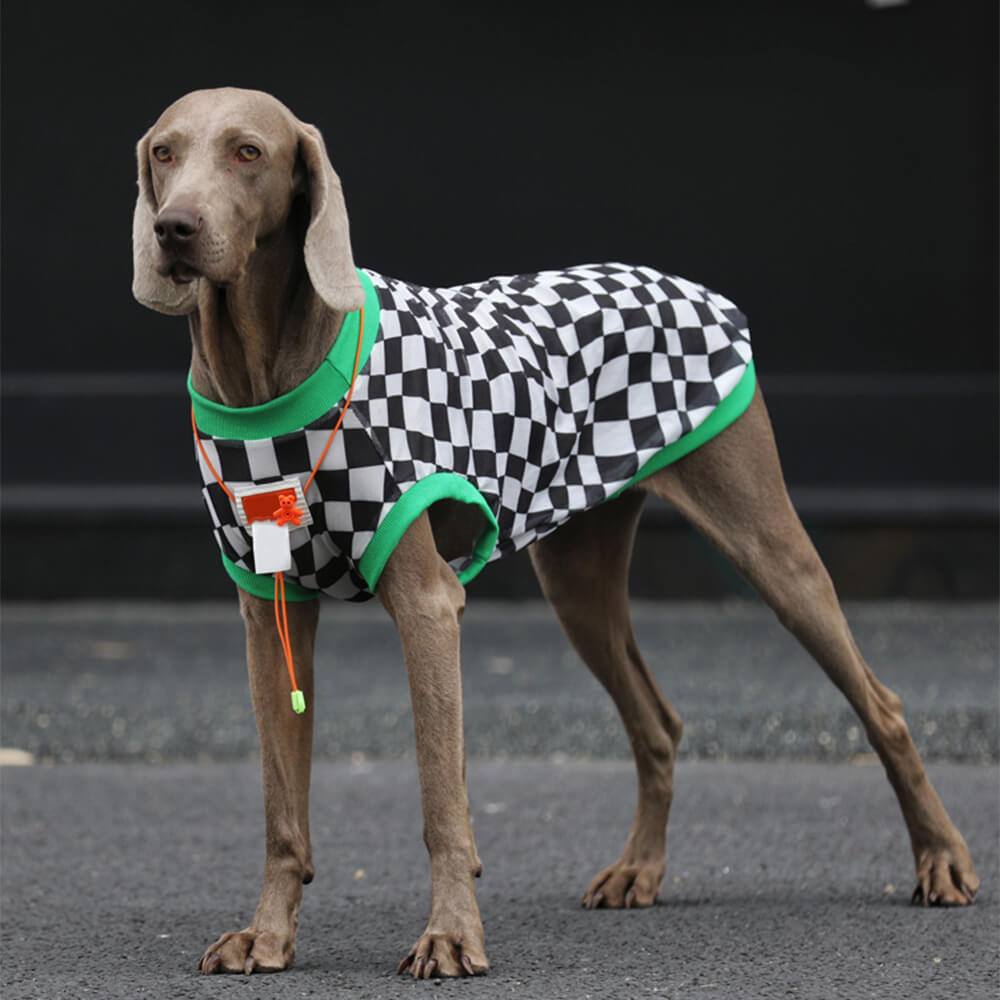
219 174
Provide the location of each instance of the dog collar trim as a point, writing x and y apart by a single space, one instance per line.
306 402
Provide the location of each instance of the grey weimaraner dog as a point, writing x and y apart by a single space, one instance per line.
240 225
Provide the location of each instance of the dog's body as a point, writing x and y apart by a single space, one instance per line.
240 224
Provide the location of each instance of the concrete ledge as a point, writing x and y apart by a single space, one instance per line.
167 553
894 476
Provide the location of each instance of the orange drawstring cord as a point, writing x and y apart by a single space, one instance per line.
347 403
280 607
281 618
207 460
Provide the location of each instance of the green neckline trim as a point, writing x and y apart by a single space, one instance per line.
719 419
307 402
421 495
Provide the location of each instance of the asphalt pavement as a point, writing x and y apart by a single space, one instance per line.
783 879
137 837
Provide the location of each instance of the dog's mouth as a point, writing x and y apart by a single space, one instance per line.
182 273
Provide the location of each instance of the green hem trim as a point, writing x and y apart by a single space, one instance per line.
719 419
420 496
263 586
306 402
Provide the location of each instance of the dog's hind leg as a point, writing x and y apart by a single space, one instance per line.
268 944
583 570
732 489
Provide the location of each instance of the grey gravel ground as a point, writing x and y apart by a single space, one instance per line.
161 682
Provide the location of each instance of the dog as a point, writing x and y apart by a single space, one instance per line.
240 225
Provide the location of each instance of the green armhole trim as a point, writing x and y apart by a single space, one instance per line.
263 586
721 417
420 496
306 402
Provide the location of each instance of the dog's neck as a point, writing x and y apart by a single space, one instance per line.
262 335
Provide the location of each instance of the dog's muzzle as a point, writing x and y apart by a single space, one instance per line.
177 231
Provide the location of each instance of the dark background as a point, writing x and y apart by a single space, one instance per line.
829 166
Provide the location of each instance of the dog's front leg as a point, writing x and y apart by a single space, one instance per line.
426 601
268 944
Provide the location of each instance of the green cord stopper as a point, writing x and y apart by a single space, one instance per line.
298 702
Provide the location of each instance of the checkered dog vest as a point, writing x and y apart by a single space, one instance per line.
530 397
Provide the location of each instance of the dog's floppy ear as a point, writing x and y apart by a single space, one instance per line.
328 240
149 287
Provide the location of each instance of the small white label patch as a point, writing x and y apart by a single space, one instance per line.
272 548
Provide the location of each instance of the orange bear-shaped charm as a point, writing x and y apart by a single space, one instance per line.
287 513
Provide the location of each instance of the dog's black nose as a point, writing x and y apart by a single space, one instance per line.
176 226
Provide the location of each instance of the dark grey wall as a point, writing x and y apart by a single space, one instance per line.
830 166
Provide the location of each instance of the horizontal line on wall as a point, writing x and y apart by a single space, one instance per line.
87 502
900 434
59 384
857 384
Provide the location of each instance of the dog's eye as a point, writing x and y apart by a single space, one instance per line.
162 153
248 153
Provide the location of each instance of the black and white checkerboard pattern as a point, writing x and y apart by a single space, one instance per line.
547 392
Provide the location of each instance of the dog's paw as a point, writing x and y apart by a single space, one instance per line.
945 877
437 955
624 886
247 952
